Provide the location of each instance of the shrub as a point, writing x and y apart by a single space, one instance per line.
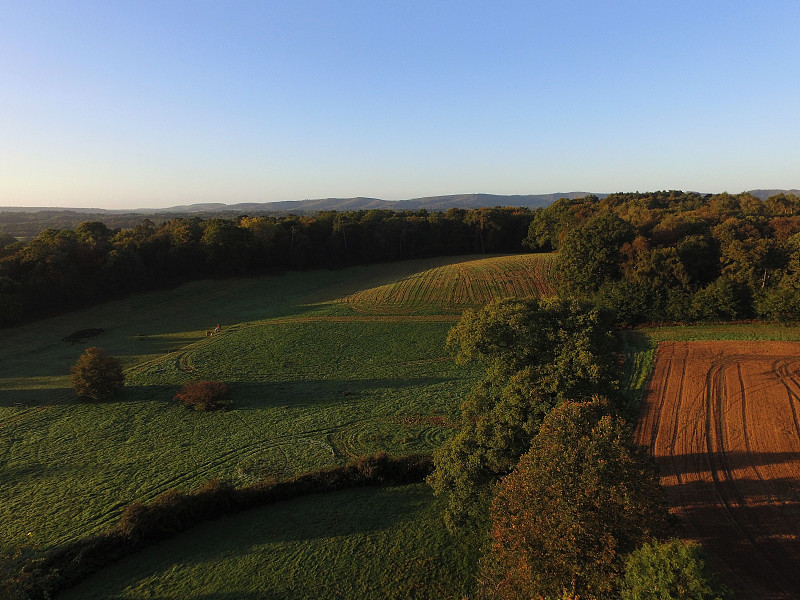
202 395
97 375
673 570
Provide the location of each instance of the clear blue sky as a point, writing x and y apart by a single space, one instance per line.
122 104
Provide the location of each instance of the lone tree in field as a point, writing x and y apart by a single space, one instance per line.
97 375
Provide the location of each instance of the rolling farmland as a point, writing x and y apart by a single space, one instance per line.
453 286
385 543
722 420
321 368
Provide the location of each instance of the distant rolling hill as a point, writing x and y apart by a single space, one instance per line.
24 223
764 194
431 203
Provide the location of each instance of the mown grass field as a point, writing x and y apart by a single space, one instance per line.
450 286
319 367
369 543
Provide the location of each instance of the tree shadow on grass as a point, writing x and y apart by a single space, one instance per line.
258 532
247 395
332 514
158 344
257 395
10 398
15 474
22 399
388 274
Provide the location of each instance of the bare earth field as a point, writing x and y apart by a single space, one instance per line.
721 418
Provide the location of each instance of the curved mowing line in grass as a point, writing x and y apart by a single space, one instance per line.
322 546
307 391
442 284
460 285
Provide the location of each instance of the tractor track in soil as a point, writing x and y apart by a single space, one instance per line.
721 419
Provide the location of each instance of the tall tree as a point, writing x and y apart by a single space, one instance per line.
549 224
538 354
578 502
589 255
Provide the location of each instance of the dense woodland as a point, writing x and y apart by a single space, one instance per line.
672 256
543 467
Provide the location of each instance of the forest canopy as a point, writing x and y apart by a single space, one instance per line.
675 256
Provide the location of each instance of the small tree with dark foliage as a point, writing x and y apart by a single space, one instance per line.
202 395
97 375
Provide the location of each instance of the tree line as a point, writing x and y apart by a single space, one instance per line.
62 269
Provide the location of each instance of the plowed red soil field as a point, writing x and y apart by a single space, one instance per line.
722 420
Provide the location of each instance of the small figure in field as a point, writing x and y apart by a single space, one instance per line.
217 328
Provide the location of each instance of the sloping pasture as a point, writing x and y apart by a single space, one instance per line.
445 285
385 543
314 381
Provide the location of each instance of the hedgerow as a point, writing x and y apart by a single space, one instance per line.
26 576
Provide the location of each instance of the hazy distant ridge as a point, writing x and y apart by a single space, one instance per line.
431 203
764 194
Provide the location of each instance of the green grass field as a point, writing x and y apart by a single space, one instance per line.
452 286
724 331
369 543
315 379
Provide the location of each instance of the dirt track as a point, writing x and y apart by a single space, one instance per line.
723 421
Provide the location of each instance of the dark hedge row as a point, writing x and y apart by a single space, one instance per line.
39 578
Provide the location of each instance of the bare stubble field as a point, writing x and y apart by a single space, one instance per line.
721 418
